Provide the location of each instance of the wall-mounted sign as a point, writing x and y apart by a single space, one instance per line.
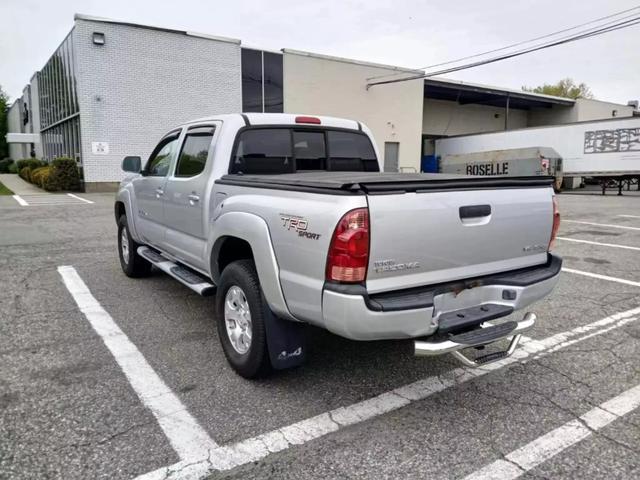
100 148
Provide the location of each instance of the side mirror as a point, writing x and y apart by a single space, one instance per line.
132 164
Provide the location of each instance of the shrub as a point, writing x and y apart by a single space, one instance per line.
5 164
13 168
32 163
64 174
40 176
25 173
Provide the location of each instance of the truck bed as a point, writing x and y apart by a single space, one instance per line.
346 183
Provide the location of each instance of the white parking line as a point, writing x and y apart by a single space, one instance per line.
624 227
612 245
79 198
186 436
522 460
256 448
20 200
602 277
629 216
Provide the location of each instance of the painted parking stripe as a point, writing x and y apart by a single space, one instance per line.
600 244
602 277
79 198
607 225
20 200
186 436
256 448
534 453
629 216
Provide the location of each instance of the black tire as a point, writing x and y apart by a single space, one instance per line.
135 266
255 361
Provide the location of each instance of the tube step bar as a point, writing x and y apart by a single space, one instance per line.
188 278
477 338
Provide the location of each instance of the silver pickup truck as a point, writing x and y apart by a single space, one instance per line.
288 221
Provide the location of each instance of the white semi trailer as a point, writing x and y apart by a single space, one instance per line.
608 150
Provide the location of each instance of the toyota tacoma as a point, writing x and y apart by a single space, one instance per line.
288 220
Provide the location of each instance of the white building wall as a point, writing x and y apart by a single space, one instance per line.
142 83
322 85
442 117
584 110
14 125
589 110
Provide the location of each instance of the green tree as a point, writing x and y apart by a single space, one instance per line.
564 88
4 110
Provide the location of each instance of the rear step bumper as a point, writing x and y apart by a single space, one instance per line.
479 337
188 278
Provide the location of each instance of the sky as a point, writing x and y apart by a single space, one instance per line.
408 33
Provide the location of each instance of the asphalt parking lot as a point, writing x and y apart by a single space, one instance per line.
103 376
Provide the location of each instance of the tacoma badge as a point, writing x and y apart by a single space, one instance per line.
381 266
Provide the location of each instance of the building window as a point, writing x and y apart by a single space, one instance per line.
59 112
273 97
262 89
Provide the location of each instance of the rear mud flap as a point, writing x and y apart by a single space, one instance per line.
285 341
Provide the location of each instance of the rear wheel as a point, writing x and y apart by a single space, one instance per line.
240 312
133 265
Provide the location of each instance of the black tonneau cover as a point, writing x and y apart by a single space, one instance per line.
377 182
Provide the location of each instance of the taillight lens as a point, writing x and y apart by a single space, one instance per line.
349 250
556 223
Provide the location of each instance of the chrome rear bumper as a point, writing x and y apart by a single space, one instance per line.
476 338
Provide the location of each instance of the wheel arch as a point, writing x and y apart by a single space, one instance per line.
122 206
240 235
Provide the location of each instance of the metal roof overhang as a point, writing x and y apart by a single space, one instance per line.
480 95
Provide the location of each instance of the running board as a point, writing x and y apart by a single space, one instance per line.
188 278
478 338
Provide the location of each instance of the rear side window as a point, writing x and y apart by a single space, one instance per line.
351 152
290 150
195 150
263 151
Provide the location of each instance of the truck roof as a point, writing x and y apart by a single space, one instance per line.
282 119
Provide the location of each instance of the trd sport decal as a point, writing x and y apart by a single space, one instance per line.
299 225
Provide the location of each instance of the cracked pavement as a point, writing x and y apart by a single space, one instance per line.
67 411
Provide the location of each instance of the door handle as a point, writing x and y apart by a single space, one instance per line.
159 192
193 199
474 211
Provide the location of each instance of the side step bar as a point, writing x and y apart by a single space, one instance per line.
188 278
477 338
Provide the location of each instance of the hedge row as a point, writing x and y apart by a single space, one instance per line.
61 174
5 165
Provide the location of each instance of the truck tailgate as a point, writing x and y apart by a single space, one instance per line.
425 237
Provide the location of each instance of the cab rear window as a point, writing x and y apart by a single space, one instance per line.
290 150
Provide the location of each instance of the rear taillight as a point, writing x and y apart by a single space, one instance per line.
349 249
556 223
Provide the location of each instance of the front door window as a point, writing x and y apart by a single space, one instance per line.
160 159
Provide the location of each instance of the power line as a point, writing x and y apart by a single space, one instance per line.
585 34
612 28
517 44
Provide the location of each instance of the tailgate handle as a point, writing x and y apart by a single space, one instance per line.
475 211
